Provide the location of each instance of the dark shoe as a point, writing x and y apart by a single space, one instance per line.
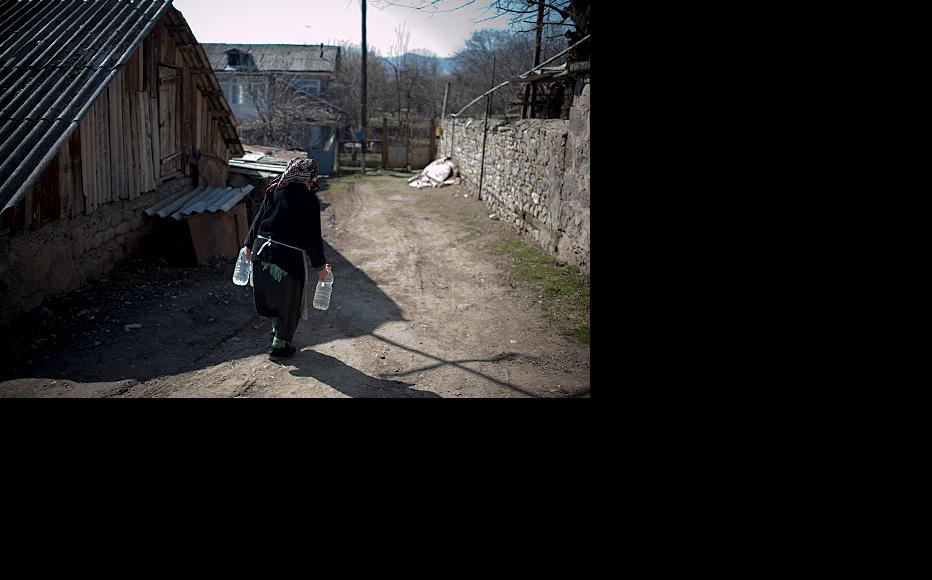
281 353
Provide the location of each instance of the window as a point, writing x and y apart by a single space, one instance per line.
227 92
232 91
257 92
238 60
311 86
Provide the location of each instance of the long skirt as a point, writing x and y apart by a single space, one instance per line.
278 296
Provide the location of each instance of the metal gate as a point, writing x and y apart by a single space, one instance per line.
322 148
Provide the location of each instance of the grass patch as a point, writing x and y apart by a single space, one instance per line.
563 289
472 225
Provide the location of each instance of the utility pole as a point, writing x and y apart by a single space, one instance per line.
365 111
443 113
531 88
485 131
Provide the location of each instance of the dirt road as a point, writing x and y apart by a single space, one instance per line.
421 308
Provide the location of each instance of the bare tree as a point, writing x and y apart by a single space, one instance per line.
564 23
347 92
570 15
285 111
472 67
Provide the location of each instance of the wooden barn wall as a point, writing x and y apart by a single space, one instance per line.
146 128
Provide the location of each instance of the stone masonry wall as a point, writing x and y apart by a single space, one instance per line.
536 175
63 255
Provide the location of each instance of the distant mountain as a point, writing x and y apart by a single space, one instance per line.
444 64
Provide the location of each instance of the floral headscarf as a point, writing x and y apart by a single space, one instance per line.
300 170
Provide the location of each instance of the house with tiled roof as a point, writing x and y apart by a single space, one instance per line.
282 94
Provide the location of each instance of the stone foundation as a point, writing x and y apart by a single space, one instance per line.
63 255
536 176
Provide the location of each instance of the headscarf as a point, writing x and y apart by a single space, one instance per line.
300 170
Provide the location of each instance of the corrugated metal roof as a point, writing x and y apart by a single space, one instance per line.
55 59
275 168
198 200
277 57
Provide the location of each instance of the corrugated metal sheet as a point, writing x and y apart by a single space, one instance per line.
199 200
277 57
56 57
544 72
276 168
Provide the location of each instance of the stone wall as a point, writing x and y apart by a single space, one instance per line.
63 255
536 175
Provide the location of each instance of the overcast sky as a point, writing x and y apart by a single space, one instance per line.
332 21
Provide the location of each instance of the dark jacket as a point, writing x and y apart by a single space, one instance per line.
291 215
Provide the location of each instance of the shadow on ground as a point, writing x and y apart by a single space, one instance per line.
151 319
349 381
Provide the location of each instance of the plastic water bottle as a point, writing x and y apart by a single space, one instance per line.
324 289
243 270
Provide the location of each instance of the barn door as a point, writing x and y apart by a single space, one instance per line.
169 119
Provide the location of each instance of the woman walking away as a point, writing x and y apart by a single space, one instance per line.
285 233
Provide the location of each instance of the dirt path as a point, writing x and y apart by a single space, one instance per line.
421 308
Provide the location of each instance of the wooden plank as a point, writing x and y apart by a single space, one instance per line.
165 117
77 174
129 143
155 37
137 147
145 136
101 134
95 145
151 73
65 180
157 45
116 139
87 161
27 211
173 54
140 68
220 146
146 59
103 143
186 110
18 222
199 120
173 120
156 149
214 235
92 154
205 109
129 73
46 207
132 140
